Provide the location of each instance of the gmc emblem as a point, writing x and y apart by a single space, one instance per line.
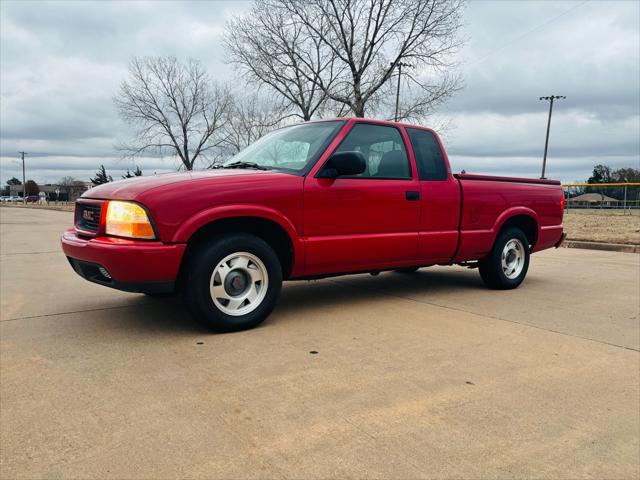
87 215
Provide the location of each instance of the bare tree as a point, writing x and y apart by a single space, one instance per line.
174 106
271 49
368 39
66 183
71 187
250 117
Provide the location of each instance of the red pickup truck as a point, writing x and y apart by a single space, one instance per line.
307 201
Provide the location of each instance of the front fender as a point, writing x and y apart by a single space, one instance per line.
209 215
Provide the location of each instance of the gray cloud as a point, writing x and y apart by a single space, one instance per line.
519 51
61 63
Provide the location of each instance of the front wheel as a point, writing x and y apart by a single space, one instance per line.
233 282
506 265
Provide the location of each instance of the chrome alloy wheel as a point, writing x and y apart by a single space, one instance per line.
239 283
512 259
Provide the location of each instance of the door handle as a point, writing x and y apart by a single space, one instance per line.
412 195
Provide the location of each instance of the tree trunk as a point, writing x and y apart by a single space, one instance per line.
358 109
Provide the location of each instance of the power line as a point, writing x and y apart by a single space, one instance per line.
534 29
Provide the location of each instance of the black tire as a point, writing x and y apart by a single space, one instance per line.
491 269
406 270
199 276
159 296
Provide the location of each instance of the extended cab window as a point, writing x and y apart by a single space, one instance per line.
383 149
431 165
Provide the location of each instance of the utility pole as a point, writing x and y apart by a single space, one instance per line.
546 142
24 184
399 65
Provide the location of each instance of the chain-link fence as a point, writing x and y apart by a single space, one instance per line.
612 198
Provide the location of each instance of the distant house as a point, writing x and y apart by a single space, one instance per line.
591 200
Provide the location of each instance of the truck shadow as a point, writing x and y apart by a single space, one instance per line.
300 298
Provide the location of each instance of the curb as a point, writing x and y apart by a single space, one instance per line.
611 247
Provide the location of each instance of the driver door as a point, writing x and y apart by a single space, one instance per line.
367 221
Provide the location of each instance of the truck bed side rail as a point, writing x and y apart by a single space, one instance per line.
490 178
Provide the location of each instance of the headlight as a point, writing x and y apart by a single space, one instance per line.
127 219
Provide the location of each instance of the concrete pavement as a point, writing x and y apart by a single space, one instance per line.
417 376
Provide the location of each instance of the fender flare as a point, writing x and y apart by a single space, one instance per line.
513 212
209 215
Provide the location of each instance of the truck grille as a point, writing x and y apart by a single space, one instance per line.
88 216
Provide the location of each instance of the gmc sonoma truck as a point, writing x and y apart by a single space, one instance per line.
312 200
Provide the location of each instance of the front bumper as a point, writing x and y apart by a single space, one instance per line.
130 265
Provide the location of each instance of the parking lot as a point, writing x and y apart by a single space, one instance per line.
424 375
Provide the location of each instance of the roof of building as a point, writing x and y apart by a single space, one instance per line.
591 197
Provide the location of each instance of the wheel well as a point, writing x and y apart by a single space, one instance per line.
525 223
267 230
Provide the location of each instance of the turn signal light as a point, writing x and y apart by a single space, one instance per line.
128 219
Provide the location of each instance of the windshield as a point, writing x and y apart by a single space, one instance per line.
290 148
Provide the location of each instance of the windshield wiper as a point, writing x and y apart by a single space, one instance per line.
244 165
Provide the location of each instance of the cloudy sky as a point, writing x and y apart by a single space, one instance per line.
62 62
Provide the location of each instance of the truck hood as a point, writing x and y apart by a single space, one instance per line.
131 188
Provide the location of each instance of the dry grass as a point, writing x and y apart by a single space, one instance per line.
606 226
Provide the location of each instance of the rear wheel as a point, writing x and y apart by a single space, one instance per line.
506 265
233 282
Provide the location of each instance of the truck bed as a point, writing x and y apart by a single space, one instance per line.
488 201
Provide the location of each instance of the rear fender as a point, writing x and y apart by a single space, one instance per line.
475 244
514 212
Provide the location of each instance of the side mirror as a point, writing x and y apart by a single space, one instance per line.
344 164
